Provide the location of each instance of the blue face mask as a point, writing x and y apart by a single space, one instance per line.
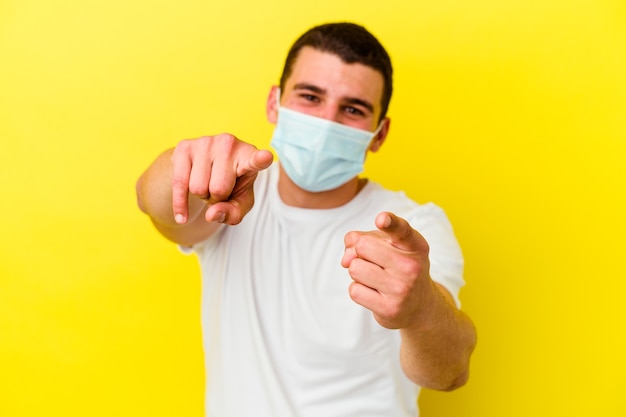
319 154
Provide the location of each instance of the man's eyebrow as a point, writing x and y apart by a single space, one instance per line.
310 87
350 100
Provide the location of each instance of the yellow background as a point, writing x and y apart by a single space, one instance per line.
509 114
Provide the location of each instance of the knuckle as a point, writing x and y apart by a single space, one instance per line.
182 145
425 246
225 140
203 144
391 310
353 292
218 192
206 142
409 266
353 268
230 189
186 148
350 238
400 289
198 189
406 232
360 245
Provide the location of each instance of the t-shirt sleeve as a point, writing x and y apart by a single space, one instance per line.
446 257
186 250
200 247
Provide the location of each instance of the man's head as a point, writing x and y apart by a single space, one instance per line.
352 44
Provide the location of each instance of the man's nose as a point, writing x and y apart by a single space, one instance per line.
330 111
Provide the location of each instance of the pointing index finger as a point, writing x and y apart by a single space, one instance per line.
399 231
258 161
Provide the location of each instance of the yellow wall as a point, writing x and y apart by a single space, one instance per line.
509 114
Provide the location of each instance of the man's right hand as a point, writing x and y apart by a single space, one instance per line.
219 169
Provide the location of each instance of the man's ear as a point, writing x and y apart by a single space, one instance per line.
271 107
379 139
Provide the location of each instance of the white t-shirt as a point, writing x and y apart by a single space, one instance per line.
281 335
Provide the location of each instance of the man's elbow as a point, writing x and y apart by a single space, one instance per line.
457 382
139 195
449 382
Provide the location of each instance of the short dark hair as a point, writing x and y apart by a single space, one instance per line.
352 43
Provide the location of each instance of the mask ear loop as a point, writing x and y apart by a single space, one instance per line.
378 129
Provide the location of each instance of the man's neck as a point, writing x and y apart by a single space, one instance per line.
292 195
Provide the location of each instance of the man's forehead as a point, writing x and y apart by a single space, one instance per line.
308 56
327 71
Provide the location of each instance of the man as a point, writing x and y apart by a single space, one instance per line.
323 293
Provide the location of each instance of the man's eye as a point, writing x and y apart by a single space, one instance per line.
353 110
309 97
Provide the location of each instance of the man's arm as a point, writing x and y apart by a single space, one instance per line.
390 269
436 349
190 190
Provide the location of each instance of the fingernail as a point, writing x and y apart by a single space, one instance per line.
179 218
387 222
221 218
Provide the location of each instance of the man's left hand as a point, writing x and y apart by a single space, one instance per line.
390 269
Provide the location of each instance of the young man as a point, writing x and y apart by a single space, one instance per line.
307 311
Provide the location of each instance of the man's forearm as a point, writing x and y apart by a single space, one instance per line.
435 352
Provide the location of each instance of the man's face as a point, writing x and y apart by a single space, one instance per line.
322 85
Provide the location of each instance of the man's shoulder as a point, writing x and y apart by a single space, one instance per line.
376 193
398 202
